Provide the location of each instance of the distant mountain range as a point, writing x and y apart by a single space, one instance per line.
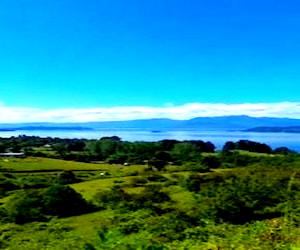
200 123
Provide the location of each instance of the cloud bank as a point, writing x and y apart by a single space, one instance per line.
182 112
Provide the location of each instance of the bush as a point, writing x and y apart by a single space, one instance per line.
197 167
111 198
239 160
57 200
138 181
63 201
192 183
157 178
158 165
3 215
283 150
118 158
239 199
211 162
25 207
154 194
149 198
7 185
67 177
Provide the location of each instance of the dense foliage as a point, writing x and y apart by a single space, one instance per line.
35 205
183 196
115 151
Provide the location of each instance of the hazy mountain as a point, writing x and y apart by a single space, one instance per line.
200 123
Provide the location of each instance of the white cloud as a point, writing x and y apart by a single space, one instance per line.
187 111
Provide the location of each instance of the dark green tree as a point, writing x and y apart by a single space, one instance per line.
25 206
184 152
228 146
211 162
63 201
67 177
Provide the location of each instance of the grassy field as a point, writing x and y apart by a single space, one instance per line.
89 188
45 164
169 225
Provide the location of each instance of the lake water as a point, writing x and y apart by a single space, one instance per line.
218 138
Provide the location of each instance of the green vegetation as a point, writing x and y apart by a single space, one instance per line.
182 195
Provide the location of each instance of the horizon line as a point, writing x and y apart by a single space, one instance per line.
12 114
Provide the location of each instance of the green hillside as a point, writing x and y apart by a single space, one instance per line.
242 207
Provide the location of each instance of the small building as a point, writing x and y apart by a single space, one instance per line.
13 155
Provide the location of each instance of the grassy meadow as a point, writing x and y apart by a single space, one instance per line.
246 206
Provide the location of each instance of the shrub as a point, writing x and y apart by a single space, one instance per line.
57 200
7 185
67 177
118 158
154 194
211 162
111 198
138 181
193 166
283 150
25 207
239 199
63 201
156 177
149 198
192 183
239 160
158 165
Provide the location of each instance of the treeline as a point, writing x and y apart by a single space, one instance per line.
115 151
23 143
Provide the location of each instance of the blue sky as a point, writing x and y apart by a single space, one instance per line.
83 55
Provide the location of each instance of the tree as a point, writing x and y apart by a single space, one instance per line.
2 147
211 162
63 201
117 158
108 147
167 145
76 145
67 177
184 152
253 146
158 164
57 200
25 207
283 150
209 147
141 151
163 156
113 138
202 146
228 146
249 197
60 148
16 148
192 183
104 147
94 148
